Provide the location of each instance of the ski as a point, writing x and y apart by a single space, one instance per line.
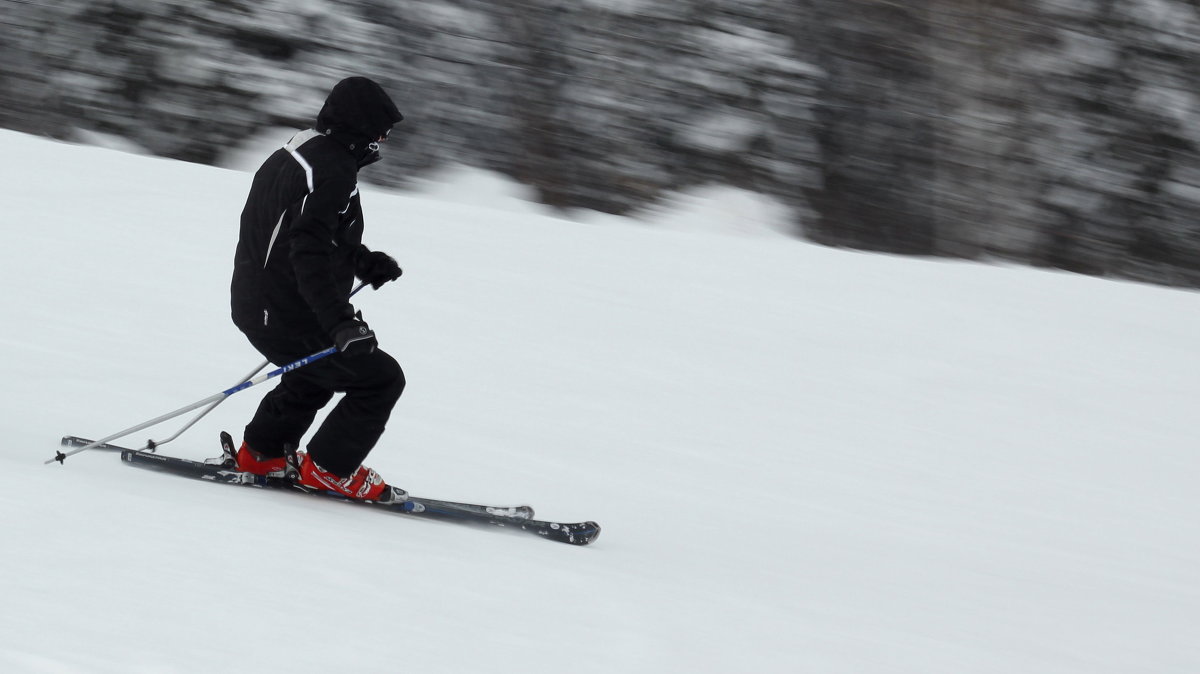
523 512
221 470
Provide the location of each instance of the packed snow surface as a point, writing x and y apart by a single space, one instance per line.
804 459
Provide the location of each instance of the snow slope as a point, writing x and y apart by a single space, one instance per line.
804 459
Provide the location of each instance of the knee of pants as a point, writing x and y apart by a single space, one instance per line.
393 377
398 383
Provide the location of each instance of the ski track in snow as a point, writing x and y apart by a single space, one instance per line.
804 459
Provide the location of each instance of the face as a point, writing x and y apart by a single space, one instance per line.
374 145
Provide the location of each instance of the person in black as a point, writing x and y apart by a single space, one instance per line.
299 250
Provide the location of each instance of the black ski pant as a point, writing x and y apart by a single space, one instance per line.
372 383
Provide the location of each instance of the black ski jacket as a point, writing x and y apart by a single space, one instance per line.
301 236
302 225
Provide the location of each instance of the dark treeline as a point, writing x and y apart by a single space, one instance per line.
1051 132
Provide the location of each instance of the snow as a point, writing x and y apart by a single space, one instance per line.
716 209
804 459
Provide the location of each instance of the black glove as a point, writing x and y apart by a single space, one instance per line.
353 337
377 268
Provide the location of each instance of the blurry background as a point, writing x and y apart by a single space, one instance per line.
1058 133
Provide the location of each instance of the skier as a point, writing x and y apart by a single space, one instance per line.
299 249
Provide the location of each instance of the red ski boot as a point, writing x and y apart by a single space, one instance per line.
364 484
250 461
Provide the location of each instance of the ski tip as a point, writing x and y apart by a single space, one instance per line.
595 531
582 533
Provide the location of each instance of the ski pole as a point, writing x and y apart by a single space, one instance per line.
216 397
212 401
154 444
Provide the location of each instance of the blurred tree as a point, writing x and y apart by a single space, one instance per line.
877 127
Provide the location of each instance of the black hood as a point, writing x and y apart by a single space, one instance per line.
358 108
